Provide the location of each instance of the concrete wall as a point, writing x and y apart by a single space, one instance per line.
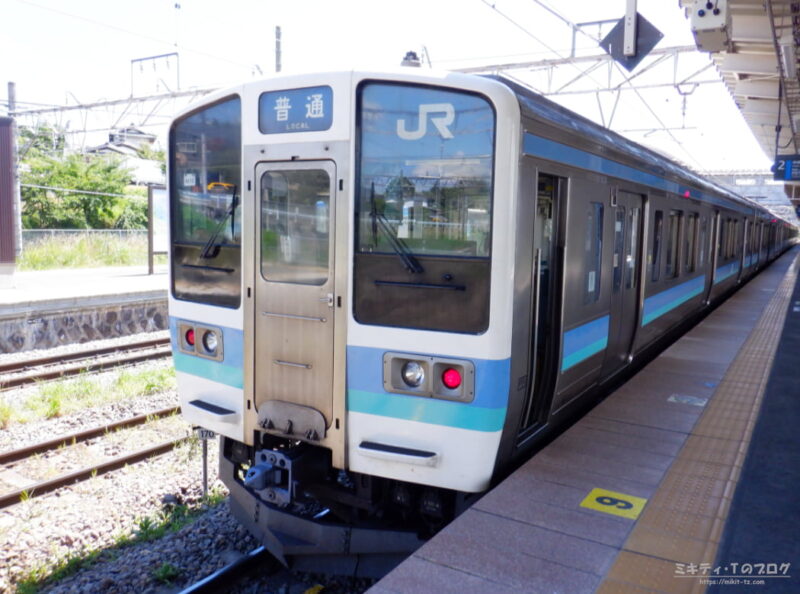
55 328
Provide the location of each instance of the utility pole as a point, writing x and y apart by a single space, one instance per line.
10 221
12 112
277 49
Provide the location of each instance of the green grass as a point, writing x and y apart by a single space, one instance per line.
166 574
6 413
55 399
168 520
85 251
49 574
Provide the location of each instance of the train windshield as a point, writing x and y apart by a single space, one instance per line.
205 186
426 170
425 159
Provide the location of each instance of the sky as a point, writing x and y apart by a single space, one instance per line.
91 50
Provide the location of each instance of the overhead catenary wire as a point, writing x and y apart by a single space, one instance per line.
133 33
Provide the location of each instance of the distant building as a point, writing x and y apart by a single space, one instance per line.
131 137
127 142
124 141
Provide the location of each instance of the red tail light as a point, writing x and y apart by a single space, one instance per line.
190 336
451 378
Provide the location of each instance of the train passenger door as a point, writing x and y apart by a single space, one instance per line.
545 306
625 272
294 297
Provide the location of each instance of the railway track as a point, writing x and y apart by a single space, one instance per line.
223 579
46 486
29 371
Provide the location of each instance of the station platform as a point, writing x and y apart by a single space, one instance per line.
664 486
35 289
44 309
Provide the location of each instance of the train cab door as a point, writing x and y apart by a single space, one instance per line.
294 297
625 280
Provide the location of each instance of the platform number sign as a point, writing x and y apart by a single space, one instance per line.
786 168
611 502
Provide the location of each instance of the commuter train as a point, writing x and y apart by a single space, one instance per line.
387 288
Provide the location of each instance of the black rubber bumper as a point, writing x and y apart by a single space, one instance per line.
286 535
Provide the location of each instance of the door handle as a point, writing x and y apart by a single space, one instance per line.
327 299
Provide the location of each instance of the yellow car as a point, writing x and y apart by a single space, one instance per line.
220 187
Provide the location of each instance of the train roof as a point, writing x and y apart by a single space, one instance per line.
535 106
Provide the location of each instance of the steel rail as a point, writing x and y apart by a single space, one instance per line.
75 363
221 580
17 366
42 487
85 435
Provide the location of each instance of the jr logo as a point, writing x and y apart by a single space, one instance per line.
440 122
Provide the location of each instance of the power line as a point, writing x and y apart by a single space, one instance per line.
112 102
73 191
129 32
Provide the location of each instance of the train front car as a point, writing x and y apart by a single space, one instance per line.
342 250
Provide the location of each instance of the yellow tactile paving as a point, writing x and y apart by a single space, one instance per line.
615 587
648 572
683 521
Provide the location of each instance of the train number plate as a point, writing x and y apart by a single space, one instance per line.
204 433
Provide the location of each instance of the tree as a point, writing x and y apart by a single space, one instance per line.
51 207
40 141
148 153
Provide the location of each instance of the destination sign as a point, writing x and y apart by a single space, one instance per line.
296 110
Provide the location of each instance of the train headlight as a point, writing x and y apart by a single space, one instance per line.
413 374
210 341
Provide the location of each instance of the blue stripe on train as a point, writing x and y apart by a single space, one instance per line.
584 341
487 412
657 305
555 151
229 371
726 271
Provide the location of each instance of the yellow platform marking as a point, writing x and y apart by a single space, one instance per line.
611 502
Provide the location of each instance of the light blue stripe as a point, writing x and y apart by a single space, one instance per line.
584 341
426 410
555 151
657 305
208 369
365 373
584 353
486 412
726 271
229 371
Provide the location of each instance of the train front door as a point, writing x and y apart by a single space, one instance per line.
625 281
294 285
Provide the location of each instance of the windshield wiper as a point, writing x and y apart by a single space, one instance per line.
211 248
400 248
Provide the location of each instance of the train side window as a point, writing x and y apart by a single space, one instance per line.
658 229
671 268
619 246
701 257
726 245
690 243
593 252
631 255
721 239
